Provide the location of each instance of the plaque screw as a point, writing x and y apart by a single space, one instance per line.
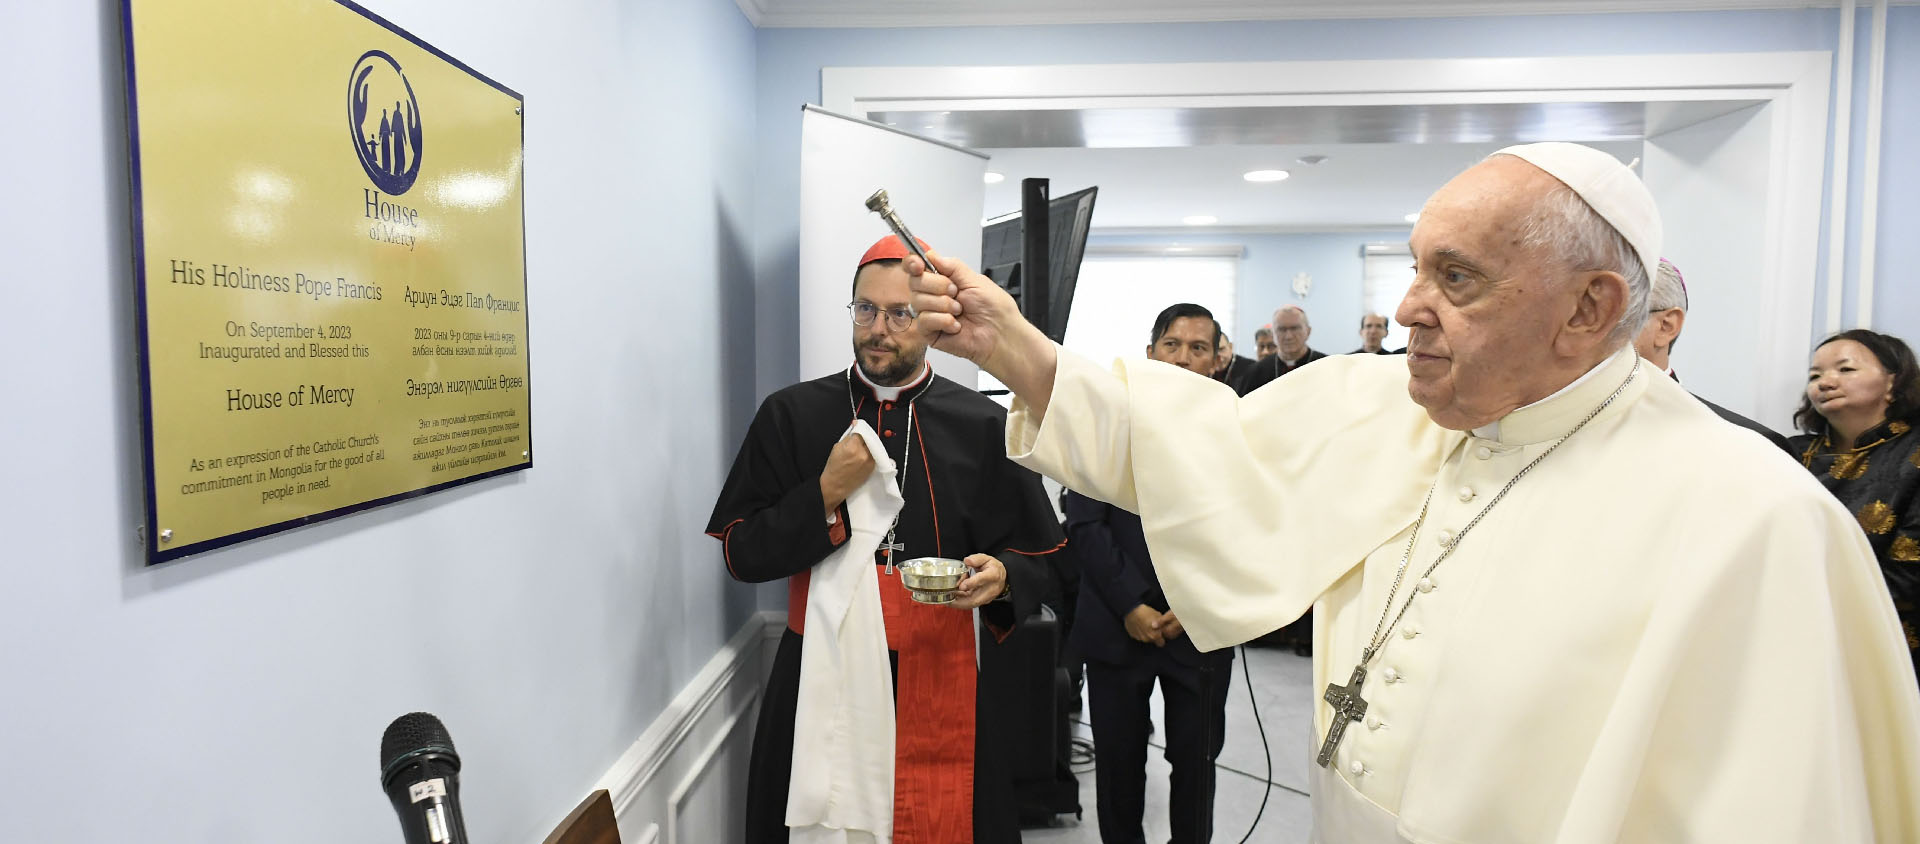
526 454
516 109
166 535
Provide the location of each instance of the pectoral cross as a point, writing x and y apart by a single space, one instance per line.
1348 705
890 546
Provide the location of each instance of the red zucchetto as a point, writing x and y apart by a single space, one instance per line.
889 248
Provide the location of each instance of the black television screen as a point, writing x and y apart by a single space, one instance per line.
1000 250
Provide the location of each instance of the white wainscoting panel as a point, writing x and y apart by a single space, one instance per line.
684 780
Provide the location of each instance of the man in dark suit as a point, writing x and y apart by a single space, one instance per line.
1373 330
1290 331
1131 640
1667 307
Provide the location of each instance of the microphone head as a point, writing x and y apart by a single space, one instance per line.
415 737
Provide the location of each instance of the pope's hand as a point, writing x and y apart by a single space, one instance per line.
968 315
964 312
847 468
988 580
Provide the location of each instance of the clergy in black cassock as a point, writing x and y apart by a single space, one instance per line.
1290 330
782 511
1667 315
1237 372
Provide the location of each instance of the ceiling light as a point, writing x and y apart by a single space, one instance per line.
1414 217
993 178
1179 249
1200 220
1311 160
1265 175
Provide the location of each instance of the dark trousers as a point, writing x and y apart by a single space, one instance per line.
1196 704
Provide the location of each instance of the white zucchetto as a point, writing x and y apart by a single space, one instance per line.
1610 188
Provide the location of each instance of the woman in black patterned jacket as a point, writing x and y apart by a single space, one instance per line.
1860 412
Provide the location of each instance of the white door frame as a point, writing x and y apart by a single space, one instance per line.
1796 83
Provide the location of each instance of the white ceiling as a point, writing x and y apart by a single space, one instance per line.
1359 186
893 13
1155 167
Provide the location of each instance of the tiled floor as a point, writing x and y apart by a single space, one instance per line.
1280 682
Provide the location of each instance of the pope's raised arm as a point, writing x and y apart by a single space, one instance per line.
1247 502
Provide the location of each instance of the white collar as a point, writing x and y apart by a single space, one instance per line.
1491 430
890 393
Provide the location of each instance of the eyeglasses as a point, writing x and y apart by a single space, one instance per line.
864 313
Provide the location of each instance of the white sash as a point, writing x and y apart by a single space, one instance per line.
841 791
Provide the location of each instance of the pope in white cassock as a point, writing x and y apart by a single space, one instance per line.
1555 597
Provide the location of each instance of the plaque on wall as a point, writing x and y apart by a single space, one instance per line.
329 265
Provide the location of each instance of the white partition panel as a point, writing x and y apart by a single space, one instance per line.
937 189
1712 182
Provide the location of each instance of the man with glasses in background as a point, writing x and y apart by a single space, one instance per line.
799 499
1290 332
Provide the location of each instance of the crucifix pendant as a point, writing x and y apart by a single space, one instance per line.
890 546
1348 706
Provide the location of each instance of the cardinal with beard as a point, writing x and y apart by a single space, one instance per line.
784 510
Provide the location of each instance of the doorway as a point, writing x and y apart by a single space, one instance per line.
1733 147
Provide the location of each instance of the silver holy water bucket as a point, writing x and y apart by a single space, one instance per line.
933 580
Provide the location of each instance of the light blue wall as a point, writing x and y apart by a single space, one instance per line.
1896 296
1267 268
547 617
790 61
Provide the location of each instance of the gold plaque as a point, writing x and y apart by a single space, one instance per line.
329 256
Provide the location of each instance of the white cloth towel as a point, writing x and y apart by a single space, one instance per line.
841 791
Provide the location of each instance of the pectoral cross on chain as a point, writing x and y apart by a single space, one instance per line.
890 546
1348 706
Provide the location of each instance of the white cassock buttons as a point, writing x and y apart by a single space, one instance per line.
1355 768
1390 675
1408 632
1483 452
1446 538
1466 493
1373 722
1425 585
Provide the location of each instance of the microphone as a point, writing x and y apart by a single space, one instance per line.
421 775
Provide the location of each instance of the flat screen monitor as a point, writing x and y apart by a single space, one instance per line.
1000 251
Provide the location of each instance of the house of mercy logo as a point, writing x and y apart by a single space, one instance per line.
384 117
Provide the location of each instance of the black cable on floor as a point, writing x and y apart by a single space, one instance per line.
1255 706
1080 755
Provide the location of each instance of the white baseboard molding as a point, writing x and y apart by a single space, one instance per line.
699 743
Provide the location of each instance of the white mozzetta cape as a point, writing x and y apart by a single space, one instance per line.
1667 632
